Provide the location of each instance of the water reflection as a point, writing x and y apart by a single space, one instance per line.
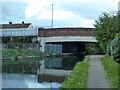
64 63
54 69
57 69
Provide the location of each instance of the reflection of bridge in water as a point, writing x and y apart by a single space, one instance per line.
57 69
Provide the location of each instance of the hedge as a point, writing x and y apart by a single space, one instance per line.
113 48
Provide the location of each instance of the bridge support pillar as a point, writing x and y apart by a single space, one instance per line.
42 43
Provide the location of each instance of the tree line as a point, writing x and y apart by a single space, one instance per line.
107 32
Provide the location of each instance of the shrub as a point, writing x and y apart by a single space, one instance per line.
94 49
113 48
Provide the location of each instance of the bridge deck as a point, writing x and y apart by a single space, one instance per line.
65 32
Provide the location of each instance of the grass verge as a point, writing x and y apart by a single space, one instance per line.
111 68
20 52
78 77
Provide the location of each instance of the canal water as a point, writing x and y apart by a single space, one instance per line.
38 73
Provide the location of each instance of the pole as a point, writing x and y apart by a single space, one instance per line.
52 15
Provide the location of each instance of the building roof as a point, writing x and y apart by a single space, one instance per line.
10 25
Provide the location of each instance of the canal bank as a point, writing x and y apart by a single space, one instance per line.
12 54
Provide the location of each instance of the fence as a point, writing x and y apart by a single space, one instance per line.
20 46
19 32
53 48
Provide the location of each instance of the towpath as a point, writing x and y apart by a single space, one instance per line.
97 77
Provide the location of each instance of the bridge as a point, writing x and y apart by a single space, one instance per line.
70 39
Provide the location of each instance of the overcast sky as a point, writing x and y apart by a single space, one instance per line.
67 13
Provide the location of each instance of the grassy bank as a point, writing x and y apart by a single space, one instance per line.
78 77
111 68
20 52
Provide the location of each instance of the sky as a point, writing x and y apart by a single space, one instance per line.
66 13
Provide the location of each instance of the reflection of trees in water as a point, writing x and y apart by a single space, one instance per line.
26 67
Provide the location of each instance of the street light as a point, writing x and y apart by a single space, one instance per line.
52 15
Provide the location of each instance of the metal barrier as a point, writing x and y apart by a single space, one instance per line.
53 48
19 32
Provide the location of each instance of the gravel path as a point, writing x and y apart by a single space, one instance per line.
97 76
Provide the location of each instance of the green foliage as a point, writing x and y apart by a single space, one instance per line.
20 52
94 49
106 28
22 39
113 48
5 39
109 48
111 68
117 35
27 39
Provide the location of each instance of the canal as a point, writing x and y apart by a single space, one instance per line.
38 73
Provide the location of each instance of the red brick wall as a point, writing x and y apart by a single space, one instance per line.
65 32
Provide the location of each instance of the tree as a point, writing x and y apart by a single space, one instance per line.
106 27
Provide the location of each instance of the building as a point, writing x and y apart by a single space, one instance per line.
11 31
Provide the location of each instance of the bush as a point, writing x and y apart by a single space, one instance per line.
113 48
94 49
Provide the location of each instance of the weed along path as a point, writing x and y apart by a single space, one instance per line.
97 77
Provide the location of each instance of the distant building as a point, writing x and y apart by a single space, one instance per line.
18 30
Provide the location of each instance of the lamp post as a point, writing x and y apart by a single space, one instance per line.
52 15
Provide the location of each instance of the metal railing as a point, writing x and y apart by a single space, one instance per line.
19 32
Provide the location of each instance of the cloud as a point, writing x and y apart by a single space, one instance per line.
13 11
67 13
37 6
89 9
70 12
